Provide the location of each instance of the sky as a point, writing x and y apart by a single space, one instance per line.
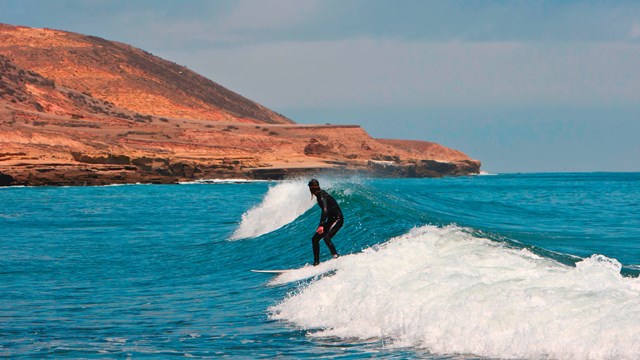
523 86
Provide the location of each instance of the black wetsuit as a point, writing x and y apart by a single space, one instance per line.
331 219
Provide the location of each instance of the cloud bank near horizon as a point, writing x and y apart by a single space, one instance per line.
369 73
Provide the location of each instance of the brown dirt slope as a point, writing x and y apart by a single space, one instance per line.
427 149
127 77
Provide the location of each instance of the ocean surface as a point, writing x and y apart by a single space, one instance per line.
522 266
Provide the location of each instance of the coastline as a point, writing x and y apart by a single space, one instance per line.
174 173
65 127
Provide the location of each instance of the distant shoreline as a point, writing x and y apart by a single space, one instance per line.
104 175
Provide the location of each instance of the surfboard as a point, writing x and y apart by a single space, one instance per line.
272 271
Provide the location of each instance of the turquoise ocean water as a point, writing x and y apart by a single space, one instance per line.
506 266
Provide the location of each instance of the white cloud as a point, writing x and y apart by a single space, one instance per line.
364 72
257 14
635 31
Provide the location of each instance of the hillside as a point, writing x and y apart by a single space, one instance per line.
127 77
77 110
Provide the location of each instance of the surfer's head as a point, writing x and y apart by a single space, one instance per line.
314 186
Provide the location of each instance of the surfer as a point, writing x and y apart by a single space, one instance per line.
331 221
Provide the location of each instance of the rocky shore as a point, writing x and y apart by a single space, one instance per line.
42 155
92 175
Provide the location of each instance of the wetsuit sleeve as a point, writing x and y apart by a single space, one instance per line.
325 209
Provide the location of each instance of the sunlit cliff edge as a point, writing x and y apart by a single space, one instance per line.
81 110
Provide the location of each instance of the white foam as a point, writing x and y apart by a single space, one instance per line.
446 291
306 272
282 204
221 181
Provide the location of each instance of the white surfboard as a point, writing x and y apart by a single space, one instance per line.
272 271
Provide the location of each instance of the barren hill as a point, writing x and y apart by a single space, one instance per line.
77 109
127 77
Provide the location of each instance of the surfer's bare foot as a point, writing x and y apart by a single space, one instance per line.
335 256
316 263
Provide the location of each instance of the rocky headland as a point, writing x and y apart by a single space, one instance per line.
81 110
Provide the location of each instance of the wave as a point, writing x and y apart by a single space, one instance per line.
282 204
222 181
451 291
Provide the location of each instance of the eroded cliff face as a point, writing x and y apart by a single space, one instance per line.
78 110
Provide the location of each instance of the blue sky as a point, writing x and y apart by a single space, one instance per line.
524 86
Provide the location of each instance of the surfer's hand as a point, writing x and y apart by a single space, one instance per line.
320 230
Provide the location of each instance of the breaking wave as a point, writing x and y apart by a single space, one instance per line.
282 204
450 291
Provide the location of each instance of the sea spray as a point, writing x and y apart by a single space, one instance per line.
447 291
281 205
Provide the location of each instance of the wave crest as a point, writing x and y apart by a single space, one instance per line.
282 204
447 291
